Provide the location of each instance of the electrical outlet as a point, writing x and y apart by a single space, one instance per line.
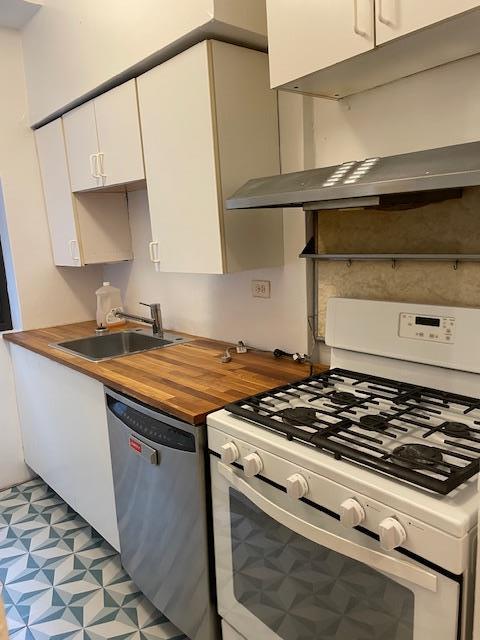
261 288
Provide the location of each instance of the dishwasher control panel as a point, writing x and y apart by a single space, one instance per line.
429 328
152 428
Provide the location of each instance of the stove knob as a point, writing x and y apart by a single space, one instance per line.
230 453
351 513
252 465
297 486
392 534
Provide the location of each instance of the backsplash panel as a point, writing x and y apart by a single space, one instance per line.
449 227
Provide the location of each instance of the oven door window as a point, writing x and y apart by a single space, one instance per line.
299 589
288 571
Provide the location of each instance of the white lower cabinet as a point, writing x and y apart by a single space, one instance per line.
63 421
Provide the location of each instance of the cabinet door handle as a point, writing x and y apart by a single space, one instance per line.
356 28
381 16
101 173
73 253
93 166
153 248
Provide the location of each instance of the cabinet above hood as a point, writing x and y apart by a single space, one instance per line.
392 182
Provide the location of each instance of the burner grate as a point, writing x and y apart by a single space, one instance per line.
363 418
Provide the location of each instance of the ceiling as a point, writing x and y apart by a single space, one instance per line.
15 14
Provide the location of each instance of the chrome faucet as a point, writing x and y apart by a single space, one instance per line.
155 320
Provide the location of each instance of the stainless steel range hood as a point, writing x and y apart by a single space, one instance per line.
402 181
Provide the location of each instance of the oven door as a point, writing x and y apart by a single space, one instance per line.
287 570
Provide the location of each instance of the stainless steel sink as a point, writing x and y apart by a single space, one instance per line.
119 344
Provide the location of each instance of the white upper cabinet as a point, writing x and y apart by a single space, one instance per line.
119 139
395 18
59 201
103 141
305 36
209 122
336 48
82 147
178 136
86 228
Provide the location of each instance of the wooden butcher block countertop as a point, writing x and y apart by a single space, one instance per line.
186 380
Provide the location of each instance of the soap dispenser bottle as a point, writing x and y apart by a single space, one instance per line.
109 300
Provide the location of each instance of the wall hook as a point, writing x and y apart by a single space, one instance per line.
455 265
349 263
394 263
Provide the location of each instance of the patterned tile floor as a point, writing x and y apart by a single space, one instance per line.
61 580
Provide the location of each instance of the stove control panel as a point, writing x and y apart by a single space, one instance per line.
394 525
428 328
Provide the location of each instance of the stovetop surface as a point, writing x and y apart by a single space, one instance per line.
427 437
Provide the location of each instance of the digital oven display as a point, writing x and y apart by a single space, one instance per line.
428 322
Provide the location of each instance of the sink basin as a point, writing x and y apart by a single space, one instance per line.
116 345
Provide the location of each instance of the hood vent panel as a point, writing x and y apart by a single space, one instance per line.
409 180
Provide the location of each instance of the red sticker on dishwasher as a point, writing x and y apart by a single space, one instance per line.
135 445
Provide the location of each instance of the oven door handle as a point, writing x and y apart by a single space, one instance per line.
366 556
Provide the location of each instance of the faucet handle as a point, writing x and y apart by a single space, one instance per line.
156 313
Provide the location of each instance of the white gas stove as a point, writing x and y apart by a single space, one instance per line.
345 506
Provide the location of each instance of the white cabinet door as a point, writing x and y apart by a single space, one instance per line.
119 140
82 147
180 164
209 123
395 18
59 202
63 420
305 36
246 115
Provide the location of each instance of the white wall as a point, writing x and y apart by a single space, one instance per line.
47 295
41 294
73 46
432 109
222 306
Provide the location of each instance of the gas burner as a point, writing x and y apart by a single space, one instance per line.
298 415
417 456
360 418
342 397
372 421
455 429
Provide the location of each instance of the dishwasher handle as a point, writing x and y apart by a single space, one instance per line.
143 450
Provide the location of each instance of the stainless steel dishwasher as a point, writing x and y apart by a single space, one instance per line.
160 493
